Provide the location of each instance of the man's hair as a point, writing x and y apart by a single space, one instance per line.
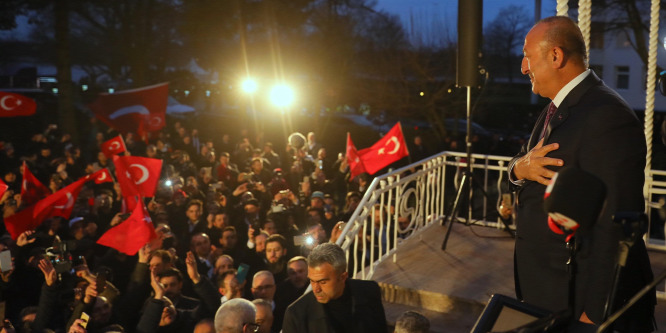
412 322
262 273
298 258
229 228
328 253
194 202
231 316
277 238
171 272
564 33
166 256
266 304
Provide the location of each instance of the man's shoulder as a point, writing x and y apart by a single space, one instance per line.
304 302
363 285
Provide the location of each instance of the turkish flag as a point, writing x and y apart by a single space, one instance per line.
137 175
32 190
101 176
14 105
138 110
114 146
129 203
353 159
130 235
60 203
3 188
392 147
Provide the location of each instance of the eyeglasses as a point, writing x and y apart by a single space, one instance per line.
262 288
254 327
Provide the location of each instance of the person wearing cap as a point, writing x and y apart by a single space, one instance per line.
317 200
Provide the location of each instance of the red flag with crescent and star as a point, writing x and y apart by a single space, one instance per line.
113 146
353 159
392 147
132 234
32 190
16 105
140 110
101 176
60 203
137 175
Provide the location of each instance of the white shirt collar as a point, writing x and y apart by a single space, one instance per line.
569 87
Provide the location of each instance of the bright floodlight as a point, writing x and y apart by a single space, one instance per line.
249 86
282 96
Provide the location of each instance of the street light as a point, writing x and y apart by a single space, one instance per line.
282 96
249 85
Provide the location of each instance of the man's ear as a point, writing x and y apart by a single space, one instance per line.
221 291
556 56
344 276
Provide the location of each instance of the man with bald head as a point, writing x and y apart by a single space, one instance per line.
236 316
588 126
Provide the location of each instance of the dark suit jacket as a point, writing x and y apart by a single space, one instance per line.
308 315
599 133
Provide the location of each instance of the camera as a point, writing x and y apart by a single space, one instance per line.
251 186
60 256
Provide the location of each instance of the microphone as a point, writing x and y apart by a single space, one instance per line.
573 201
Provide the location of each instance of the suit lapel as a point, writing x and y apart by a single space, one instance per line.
569 101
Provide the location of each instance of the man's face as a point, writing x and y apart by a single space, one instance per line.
269 227
316 203
326 283
193 213
222 264
172 286
220 221
263 286
298 273
260 243
228 240
201 246
231 287
264 318
157 265
274 252
536 64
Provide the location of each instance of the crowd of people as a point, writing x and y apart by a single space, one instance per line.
234 219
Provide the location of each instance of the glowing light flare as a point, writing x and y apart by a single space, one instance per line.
282 96
249 86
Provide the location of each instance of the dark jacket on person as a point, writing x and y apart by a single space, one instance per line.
366 315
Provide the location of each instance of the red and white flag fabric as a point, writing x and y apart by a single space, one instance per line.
32 190
16 105
101 176
113 146
3 188
353 159
137 175
130 235
392 147
60 203
140 110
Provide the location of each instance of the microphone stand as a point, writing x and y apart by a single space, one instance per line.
603 327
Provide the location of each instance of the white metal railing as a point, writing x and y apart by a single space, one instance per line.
401 203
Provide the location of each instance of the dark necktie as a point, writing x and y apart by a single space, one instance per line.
551 111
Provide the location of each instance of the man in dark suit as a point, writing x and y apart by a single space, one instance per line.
589 127
336 303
